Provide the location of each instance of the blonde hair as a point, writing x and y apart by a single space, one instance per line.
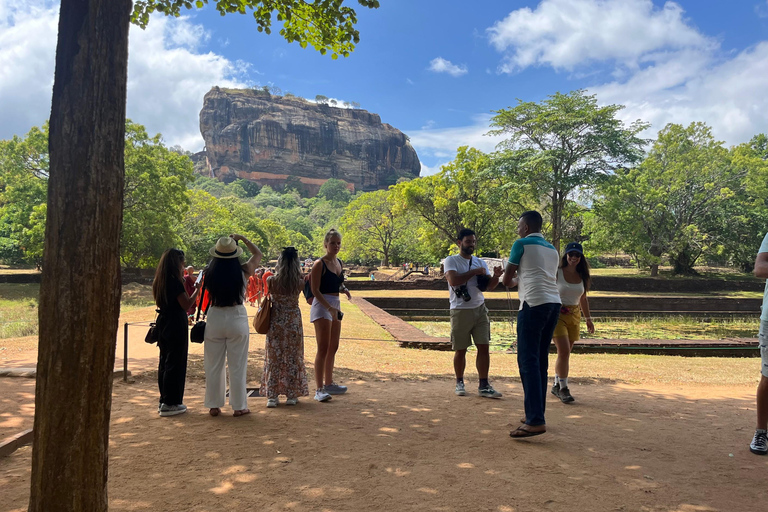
288 278
330 234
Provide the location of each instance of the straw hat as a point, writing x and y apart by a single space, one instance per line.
226 247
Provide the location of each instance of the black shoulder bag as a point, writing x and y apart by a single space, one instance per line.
197 334
153 334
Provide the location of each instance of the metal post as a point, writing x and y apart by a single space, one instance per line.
125 352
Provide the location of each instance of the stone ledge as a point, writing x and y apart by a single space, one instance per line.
13 443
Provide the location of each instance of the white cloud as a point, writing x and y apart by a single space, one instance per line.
729 95
167 73
761 9
653 61
441 144
564 34
440 65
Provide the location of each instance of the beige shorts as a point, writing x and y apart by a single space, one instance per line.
569 324
468 325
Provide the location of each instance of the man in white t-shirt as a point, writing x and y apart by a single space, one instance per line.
759 443
532 267
468 276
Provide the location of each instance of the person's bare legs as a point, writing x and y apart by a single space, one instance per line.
562 365
323 336
483 361
459 363
762 403
333 347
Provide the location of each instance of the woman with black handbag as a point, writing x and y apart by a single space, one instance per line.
172 302
226 328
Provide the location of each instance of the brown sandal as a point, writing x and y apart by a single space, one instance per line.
521 432
215 411
241 412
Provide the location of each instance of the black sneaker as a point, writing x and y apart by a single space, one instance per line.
556 390
565 395
759 444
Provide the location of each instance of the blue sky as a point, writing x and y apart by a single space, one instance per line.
434 69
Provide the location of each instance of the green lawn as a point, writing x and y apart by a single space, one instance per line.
662 328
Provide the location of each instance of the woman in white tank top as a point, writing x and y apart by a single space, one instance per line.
572 283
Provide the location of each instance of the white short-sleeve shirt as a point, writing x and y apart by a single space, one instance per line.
461 265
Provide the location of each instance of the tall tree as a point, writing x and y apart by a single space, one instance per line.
155 197
565 142
81 269
668 205
470 192
23 189
372 226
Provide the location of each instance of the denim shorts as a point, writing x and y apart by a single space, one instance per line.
762 340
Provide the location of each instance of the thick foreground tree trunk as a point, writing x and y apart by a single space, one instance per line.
80 292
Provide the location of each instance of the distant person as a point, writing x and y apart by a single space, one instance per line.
759 443
264 281
226 331
468 276
373 277
189 287
573 281
284 372
252 294
327 280
172 301
534 261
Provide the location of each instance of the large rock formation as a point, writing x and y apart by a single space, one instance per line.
268 139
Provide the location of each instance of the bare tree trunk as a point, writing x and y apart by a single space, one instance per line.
556 220
80 291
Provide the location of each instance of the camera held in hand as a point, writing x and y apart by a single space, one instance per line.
462 293
482 282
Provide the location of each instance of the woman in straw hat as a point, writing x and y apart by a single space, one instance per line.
226 330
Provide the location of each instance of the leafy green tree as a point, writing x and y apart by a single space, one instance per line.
84 225
470 192
335 191
156 180
565 142
251 188
372 226
668 205
23 188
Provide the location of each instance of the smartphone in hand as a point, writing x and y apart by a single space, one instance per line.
199 278
340 315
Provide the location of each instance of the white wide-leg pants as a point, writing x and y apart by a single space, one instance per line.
226 335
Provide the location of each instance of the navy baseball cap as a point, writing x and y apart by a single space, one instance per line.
574 247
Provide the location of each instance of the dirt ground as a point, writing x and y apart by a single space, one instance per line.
406 445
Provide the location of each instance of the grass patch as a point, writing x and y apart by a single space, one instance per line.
18 309
639 327
502 294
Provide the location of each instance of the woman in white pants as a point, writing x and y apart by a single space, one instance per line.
226 330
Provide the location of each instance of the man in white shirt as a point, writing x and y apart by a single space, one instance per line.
759 443
534 260
468 277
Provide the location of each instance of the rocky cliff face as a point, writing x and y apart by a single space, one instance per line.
268 139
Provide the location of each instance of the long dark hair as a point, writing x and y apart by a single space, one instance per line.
224 282
168 268
582 268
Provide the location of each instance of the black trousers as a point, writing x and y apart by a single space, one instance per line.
172 369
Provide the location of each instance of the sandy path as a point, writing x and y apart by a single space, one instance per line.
415 446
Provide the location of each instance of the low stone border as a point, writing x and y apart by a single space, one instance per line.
28 373
13 443
403 332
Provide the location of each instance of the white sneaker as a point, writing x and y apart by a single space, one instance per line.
460 390
292 401
271 402
322 396
172 410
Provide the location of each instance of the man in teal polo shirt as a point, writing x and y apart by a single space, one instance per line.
532 267
759 443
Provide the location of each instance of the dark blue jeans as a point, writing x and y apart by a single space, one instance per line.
535 326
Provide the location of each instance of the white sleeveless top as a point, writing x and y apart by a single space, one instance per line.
570 293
